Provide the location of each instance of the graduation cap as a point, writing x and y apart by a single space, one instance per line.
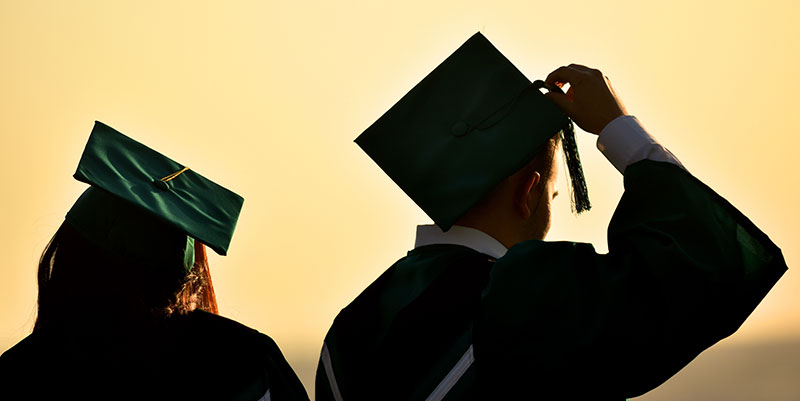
146 208
473 121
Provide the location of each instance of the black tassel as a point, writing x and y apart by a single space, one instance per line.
579 193
577 188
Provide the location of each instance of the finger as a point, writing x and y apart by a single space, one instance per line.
580 67
562 75
570 93
562 101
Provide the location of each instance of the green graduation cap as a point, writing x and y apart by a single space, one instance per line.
473 121
144 207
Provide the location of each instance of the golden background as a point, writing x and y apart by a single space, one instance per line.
265 98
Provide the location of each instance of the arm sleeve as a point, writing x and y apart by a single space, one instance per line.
684 270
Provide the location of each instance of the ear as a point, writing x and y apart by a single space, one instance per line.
527 184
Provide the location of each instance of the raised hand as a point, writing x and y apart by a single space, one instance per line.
590 100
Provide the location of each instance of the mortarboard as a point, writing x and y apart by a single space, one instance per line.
144 207
470 123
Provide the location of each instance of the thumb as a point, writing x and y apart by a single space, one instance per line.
562 101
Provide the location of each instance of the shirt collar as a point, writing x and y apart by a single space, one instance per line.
472 238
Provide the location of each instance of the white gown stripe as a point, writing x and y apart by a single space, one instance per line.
452 377
326 362
266 396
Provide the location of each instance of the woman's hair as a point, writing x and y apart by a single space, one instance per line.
80 281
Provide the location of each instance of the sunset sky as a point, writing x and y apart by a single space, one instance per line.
266 97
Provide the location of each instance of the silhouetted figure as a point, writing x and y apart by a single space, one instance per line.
126 305
482 307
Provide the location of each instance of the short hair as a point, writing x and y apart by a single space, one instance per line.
541 161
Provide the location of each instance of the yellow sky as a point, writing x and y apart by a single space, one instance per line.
265 98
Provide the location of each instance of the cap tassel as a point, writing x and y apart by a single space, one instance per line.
577 188
579 193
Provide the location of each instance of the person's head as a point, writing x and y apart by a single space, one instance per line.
132 247
81 282
467 130
519 207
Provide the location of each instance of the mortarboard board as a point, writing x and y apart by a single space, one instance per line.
473 121
142 206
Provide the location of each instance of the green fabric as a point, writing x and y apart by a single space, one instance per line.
470 123
556 320
135 174
188 252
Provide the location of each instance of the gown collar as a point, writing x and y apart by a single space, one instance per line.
430 234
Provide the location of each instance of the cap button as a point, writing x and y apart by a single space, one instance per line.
162 185
460 128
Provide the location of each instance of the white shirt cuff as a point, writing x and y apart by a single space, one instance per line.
624 141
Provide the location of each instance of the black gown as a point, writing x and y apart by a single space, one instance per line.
556 320
197 356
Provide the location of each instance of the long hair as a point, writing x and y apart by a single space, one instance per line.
82 282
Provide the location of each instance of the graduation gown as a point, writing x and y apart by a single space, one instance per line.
198 356
557 319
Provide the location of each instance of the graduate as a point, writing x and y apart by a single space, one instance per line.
483 307
126 304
